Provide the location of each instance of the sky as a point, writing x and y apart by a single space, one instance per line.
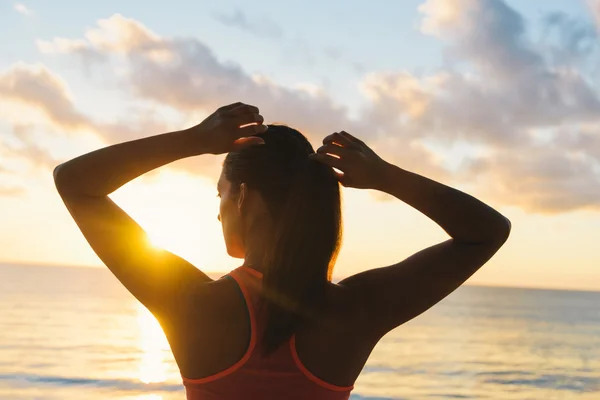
498 98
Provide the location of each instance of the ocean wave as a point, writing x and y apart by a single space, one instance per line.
555 381
119 384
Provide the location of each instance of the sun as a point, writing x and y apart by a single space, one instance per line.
178 214
157 241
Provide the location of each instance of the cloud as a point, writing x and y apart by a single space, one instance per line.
22 9
37 109
510 83
32 139
23 149
79 47
29 147
571 41
184 74
11 191
258 26
529 111
37 87
7 172
552 181
502 92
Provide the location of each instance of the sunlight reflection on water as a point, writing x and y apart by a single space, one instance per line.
68 331
153 344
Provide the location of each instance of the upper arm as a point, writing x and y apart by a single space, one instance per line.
159 279
391 296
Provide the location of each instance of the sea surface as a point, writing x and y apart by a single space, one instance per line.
75 333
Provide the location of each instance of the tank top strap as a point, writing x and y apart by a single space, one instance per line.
250 284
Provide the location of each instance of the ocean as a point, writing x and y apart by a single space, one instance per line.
76 333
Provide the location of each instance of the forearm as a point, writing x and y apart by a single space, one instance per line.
103 171
462 216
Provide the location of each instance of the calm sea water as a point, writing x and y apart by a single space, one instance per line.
75 333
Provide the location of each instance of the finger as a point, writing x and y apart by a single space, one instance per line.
245 119
242 109
341 152
351 138
329 160
337 138
252 130
246 142
336 165
340 176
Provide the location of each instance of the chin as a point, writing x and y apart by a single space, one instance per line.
235 252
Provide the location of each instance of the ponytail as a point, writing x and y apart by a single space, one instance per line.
306 241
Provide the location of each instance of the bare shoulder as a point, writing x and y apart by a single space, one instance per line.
213 319
210 304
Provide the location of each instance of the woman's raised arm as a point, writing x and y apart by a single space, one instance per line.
390 296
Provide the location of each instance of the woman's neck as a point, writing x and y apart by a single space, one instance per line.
254 265
255 246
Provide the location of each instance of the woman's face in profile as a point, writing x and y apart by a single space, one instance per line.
230 218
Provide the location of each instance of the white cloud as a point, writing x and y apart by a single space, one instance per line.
546 178
38 87
37 106
501 92
61 46
22 9
185 74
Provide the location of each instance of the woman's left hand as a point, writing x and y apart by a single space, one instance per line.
229 129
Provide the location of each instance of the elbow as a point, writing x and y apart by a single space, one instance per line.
494 233
61 181
503 230
56 172
58 176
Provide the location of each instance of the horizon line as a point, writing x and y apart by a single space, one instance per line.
335 278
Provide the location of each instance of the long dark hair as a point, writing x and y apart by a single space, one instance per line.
303 198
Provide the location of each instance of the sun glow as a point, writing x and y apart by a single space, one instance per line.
179 214
157 241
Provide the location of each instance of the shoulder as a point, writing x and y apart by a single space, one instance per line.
200 304
210 320
343 308
217 298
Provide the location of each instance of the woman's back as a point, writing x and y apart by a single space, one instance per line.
318 362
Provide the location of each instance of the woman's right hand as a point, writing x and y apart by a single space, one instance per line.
230 128
361 167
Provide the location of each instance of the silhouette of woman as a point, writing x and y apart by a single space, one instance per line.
276 327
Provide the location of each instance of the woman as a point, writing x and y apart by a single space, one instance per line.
276 327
